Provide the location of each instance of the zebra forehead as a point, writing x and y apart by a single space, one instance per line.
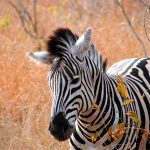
63 68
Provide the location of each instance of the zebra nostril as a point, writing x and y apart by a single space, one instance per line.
66 127
60 123
59 127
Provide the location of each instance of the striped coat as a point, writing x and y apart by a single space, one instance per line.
92 108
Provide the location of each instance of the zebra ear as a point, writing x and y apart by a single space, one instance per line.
40 57
83 44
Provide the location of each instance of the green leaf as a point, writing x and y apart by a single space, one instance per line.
5 21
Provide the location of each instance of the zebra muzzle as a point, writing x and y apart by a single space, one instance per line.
59 127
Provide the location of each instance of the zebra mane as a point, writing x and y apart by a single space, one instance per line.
103 63
62 40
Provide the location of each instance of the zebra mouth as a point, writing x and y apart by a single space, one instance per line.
59 134
60 128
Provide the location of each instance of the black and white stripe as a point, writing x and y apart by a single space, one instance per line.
78 81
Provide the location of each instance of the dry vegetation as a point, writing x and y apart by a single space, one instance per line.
24 94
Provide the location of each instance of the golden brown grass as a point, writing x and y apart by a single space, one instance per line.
24 94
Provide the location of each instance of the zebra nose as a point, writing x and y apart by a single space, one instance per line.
59 127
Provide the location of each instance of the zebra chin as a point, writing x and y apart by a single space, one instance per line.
60 128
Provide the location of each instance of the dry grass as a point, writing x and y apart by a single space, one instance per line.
24 94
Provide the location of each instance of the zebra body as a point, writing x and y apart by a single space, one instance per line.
141 96
86 102
121 67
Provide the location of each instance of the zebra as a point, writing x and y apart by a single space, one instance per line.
85 100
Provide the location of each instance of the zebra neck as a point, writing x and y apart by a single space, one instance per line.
104 113
106 97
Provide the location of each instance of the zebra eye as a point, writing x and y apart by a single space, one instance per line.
75 80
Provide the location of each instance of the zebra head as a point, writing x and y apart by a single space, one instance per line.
70 79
